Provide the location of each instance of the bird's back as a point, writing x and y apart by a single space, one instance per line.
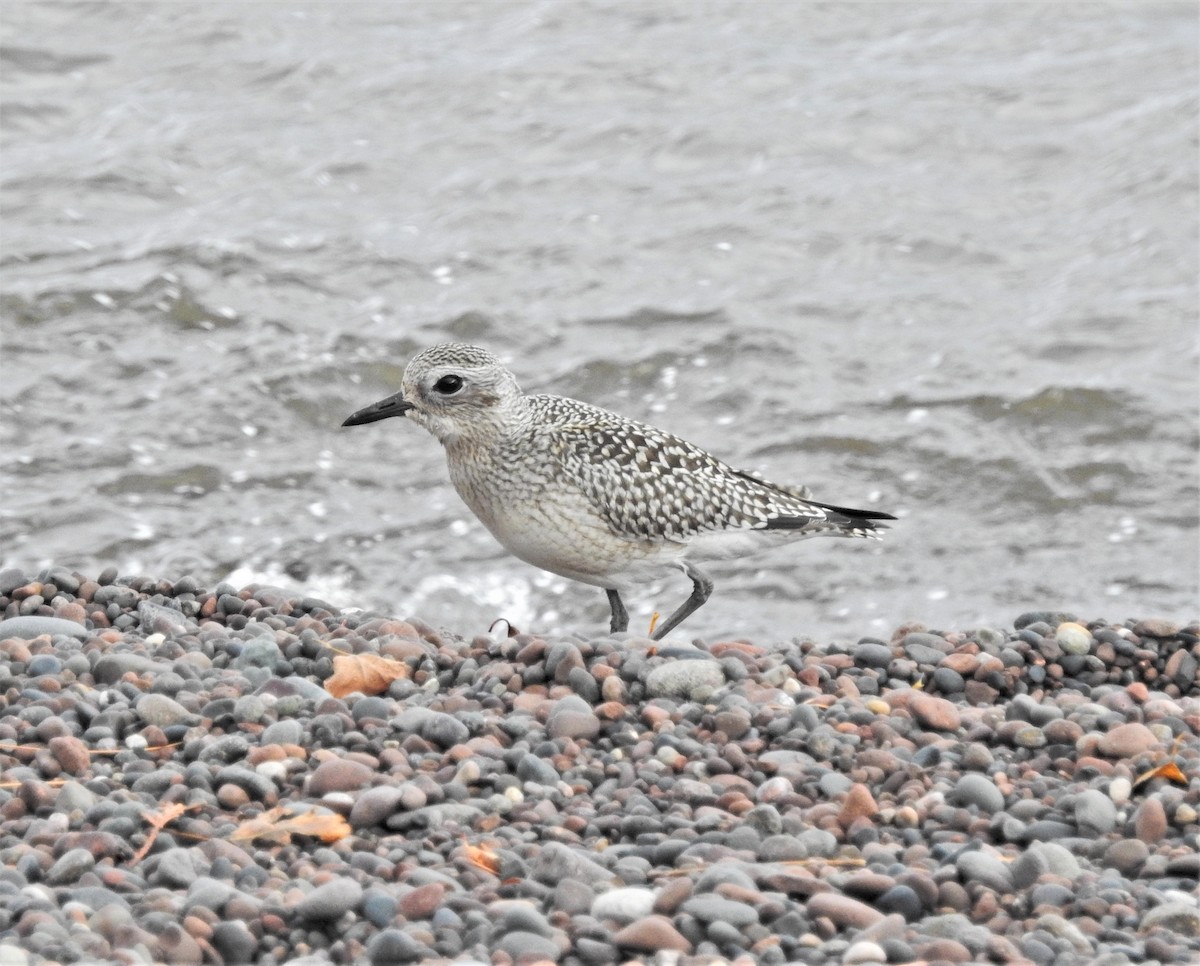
650 485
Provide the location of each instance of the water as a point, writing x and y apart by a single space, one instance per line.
936 259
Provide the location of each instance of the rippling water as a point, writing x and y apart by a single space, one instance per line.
937 259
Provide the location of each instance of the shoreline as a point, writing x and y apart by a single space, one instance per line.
354 787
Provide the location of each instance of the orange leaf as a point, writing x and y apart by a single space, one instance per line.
368 673
1168 770
278 826
482 858
168 813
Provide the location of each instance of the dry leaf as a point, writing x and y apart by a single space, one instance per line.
168 813
278 826
1168 770
482 857
368 673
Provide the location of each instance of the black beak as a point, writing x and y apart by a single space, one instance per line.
394 405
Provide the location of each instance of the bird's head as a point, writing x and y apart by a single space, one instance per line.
456 391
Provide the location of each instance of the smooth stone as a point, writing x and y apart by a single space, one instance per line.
556 862
29 627
1095 813
903 900
421 902
526 947
393 946
872 655
163 712
1178 917
842 910
43 664
1127 856
444 730
375 805
209 893
623 905
986 869
652 934
531 768
1059 860
379 907
289 731
710 907
1027 868
924 656
978 790
694 680
339 775
234 941
112 667
1126 740
331 900
1073 638
178 868
572 722
73 796
70 866
934 712
573 897
1150 821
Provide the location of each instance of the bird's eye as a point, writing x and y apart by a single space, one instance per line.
448 385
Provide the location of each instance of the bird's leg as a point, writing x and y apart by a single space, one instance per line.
620 618
701 588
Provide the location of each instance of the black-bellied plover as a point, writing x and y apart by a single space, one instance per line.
593 496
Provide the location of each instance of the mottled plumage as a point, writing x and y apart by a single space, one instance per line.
591 495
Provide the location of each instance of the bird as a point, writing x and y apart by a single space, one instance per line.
590 495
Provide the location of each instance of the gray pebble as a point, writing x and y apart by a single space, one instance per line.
783 848
70 866
1095 813
986 869
978 790
556 862
764 819
178 868
1059 860
331 900
43 664
695 680
527 947
209 893
73 796
531 768
393 946
1178 917
903 900
724 873
27 628
234 941
710 907
112 667
285 732
444 730
163 712
375 805
379 907
251 782
872 655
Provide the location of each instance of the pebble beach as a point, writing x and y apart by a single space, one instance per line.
226 775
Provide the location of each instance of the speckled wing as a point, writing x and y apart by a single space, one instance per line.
651 485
